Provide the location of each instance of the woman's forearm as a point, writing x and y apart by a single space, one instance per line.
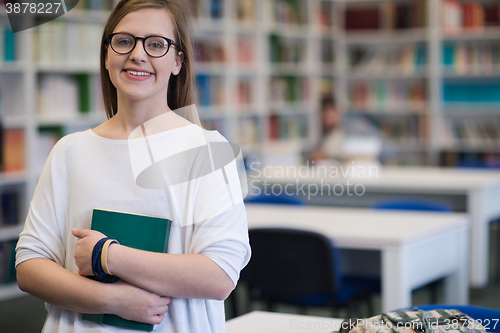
53 284
176 275
56 285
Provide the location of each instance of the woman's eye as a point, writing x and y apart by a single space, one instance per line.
156 45
123 42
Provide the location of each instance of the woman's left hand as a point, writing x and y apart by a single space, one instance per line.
84 248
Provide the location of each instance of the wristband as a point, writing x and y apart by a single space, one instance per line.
96 259
104 255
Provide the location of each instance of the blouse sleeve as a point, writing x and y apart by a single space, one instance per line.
41 237
220 229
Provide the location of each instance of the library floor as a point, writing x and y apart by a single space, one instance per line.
26 314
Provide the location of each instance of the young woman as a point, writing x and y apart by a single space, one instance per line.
146 71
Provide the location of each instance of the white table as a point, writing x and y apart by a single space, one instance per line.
269 322
475 192
416 247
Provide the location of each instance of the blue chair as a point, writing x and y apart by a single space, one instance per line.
299 268
263 198
490 318
413 204
281 199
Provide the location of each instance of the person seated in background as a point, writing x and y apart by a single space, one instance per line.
345 142
332 133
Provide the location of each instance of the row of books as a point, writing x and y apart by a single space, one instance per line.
12 149
67 42
209 51
245 50
464 58
289 12
245 11
247 132
286 50
9 208
392 15
289 89
213 9
474 92
388 96
408 59
283 127
7 44
469 159
210 90
472 133
324 16
469 15
402 131
67 96
7 262
244 92
327 51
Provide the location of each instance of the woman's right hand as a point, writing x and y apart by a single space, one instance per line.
133 303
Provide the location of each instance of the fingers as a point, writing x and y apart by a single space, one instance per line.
165 299
80 233
157 319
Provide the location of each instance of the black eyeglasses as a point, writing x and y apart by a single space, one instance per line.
155 46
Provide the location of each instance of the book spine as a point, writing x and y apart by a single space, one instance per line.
10 44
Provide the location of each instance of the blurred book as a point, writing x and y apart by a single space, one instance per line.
13 150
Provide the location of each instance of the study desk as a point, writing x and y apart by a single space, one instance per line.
416 247
475 192
273 322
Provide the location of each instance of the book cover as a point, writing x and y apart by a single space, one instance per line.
142 232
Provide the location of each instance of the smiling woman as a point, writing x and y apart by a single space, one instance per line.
146 71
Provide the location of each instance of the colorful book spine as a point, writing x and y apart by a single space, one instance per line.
287 127
289 89
458 16
286 50
9 205
7 262
390 96
212 51
289 12
470 58
210 90
9 44
476 92
13 150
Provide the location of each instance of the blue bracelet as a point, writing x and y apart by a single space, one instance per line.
96 259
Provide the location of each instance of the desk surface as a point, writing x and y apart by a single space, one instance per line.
379 177
358 228
269 322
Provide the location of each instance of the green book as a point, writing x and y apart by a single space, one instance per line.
138 231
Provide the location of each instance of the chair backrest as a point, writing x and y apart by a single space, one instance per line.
290 264
413 204
281 199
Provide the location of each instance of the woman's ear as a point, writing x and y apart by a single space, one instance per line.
178 63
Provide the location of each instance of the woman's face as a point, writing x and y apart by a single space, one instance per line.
136 75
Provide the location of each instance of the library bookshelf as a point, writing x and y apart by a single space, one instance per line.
261 67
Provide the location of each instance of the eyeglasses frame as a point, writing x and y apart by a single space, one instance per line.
171 43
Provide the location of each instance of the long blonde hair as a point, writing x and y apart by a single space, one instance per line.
181 88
